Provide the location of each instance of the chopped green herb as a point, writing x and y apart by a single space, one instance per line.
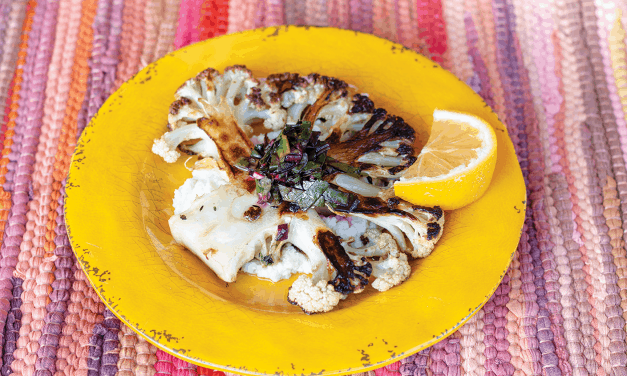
292 168
284 147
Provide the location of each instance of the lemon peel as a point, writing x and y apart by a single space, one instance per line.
455 166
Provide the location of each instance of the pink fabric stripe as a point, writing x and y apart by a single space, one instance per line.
389 370
57 91
472 346
165 364
182 37
251 9
431 27
379 18
242 14
407 35
316 12
343 13
194 20
388 26
485 24
274 13
457 59
152 19
132 40
167 29
183 31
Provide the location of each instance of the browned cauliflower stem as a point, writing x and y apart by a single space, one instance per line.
214 116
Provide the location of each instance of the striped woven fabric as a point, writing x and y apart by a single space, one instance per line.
555 71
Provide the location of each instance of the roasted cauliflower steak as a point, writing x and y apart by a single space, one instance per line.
214 115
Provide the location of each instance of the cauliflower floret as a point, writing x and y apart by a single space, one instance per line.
394 269
162 149
234 95
166 146
391 272
320 297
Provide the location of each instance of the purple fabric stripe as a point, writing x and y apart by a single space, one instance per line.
96 87
538 233
95 350
112 56
21 157
357 22
81 119
416 365
536 319
294 12
24 101
65 266
46 23
498 358
260 14
361 15
367 15
97 92
57 308
445 357
111 345
12 327
481 70
101 27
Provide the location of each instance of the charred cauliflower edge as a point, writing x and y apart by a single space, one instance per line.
214 116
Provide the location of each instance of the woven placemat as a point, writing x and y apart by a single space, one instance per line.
554 71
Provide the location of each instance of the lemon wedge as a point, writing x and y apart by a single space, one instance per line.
455 167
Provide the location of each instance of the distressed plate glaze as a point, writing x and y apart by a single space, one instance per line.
119 199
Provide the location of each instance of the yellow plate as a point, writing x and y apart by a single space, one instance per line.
119 199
